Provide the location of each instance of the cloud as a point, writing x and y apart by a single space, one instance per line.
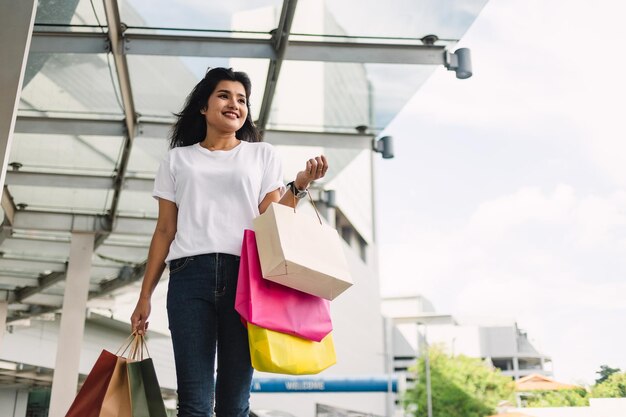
546 258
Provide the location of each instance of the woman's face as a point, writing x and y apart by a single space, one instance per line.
226 109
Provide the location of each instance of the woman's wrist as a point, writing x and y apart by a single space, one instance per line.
300 186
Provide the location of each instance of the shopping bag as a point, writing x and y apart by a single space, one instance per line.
282 353
145 394
116 401
300 252
88 401
274 306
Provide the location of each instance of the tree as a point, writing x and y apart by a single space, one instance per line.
460 386
577 397
613 387
605 372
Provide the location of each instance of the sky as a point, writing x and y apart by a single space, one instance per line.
507 194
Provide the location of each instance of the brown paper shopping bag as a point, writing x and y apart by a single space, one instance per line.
300 252
116 401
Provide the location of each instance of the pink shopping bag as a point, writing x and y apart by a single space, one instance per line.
273 306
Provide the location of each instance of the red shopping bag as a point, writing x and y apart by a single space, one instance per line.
89 399
273 306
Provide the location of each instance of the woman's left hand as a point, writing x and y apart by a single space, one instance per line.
315 169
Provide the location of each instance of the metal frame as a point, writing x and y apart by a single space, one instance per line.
220 47
121 42
130 115
280 39
160 129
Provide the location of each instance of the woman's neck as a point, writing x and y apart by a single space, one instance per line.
224 142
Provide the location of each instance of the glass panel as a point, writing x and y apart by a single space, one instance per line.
70 83
303 105
26 247
392 87
64 199
138 202
447 19
339 97
248 15
70 12
161 84
65 153
146 155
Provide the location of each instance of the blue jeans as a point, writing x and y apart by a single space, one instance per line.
203 320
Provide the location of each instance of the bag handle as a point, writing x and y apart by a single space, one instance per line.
125 345
137 344
295 203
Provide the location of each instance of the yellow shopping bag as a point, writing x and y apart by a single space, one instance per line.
282 353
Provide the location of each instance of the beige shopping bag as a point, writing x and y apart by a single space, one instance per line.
300 252
116 401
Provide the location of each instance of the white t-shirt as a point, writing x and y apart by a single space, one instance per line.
217 194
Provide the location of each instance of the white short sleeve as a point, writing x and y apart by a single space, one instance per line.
272 174
164 183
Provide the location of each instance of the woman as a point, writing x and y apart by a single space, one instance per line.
214 181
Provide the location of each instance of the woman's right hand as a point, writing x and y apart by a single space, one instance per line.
138 320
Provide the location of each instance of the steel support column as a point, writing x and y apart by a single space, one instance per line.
16 28
4 308
130 116
72 327
281 39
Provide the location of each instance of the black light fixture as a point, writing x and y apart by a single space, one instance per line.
384 146
460 62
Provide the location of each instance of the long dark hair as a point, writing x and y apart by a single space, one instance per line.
190 125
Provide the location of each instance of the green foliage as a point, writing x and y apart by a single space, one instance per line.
561 398
605 372
461 387
613 387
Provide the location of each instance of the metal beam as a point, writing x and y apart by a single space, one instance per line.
323 139
8 206
366 53
44 179
126 276
281 39
130 115
298 50
160 130
61 222
55 42
43 283
99 182
69 126
180 45
30 265
322 51
81 222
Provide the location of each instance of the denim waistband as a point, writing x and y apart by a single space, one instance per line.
214 255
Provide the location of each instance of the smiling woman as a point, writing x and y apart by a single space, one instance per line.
220 91
216 178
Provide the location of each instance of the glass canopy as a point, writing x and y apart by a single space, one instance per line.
93 120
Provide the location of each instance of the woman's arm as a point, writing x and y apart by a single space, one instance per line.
163 236
315 169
